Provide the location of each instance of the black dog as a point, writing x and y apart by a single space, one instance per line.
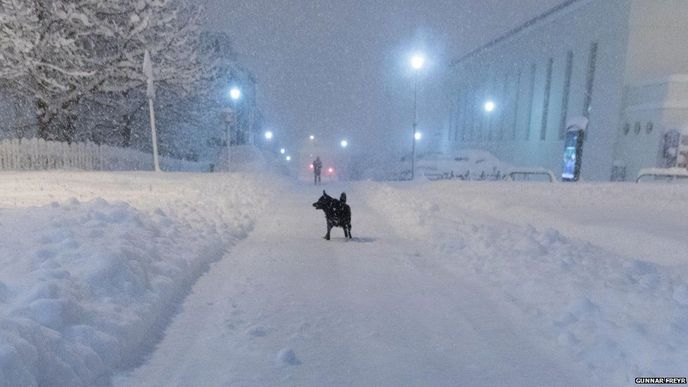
337 212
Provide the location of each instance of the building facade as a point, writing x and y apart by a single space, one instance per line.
619 63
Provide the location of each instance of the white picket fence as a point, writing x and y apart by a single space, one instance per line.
38 154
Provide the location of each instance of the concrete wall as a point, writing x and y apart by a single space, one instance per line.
664 106
657 92
520 114
657 40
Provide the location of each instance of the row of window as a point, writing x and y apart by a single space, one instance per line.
511 103
637 128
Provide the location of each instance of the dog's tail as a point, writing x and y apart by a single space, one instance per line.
342 198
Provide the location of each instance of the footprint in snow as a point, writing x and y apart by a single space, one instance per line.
44 254
256 331
287 356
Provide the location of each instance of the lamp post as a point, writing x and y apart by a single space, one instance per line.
230 118
150 93
417 62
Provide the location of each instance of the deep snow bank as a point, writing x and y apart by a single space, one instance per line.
85 283
622 317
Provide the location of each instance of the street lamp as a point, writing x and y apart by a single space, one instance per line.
288 158
344 143
418 136
231 118
311 137
489 106
235 93
150 93
417 63
269 135
283 151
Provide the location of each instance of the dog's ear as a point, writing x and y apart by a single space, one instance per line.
324 193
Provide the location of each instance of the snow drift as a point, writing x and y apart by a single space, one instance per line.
87 283
620 316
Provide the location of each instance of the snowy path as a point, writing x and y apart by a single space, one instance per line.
374 311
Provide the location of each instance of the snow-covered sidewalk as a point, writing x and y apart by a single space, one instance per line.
288 308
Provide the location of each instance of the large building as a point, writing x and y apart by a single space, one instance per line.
619 63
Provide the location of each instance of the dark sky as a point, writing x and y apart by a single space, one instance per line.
339 68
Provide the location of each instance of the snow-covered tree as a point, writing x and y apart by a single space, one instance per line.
42 57
18 32
76 53
169 29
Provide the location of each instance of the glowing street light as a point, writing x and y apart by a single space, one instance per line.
418 136
288 158
417 61
344 144
489 106
311 137
283 151
269 135
235 93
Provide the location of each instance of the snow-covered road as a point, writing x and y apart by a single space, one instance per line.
288 308
446 283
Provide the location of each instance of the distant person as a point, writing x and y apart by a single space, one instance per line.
317 168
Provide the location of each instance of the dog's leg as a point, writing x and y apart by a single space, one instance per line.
329 228
349 227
